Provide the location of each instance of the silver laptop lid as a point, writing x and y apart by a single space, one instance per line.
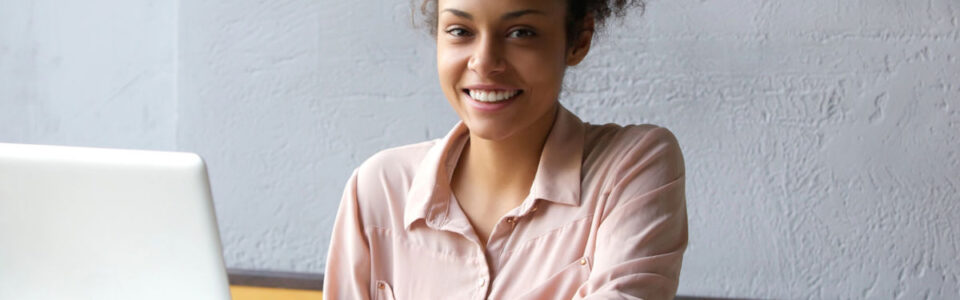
86 223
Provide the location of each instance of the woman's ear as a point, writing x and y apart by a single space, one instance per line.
578 50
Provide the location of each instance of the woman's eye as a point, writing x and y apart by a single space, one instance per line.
521 33
458 32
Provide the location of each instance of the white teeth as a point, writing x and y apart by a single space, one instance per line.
492 96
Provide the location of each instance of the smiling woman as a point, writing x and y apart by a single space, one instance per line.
521 199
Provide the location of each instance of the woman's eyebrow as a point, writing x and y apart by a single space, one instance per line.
506 16
520 13
459 13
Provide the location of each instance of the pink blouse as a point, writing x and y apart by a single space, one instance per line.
605 219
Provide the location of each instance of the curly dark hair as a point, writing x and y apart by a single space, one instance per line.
577 10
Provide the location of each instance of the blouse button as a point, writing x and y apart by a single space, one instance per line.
583 261
534 208
510 220
381 285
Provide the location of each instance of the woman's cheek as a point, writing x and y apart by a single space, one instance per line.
539 68
451 64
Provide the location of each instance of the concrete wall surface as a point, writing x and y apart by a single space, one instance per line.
92 73
822 138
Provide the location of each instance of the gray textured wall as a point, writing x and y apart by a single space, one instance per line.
821 137
90 73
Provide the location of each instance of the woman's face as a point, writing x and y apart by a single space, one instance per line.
501 62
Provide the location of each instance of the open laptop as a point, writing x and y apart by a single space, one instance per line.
86 223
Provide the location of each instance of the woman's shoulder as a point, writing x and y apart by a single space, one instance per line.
633 162
630 140
394 165
622 154
383 180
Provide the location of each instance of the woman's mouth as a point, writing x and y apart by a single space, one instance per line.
492 96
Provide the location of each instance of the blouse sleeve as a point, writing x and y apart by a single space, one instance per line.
643 230
347 274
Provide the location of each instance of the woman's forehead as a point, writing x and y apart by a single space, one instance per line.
549 7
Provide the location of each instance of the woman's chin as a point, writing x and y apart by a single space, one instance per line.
488 130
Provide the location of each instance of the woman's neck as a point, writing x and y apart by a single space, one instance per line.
505 168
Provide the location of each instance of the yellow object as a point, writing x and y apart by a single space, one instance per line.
261 293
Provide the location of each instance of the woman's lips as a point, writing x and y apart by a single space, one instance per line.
490 100
492 95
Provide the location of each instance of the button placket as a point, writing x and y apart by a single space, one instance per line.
482 287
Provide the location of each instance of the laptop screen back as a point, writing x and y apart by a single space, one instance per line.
86 223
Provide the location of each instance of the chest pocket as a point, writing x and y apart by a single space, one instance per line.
384 291
563 284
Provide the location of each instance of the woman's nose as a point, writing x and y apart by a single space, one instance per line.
487 58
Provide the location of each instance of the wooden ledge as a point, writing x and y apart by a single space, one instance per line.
274 279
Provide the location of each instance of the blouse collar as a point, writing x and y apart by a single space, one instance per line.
557 179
